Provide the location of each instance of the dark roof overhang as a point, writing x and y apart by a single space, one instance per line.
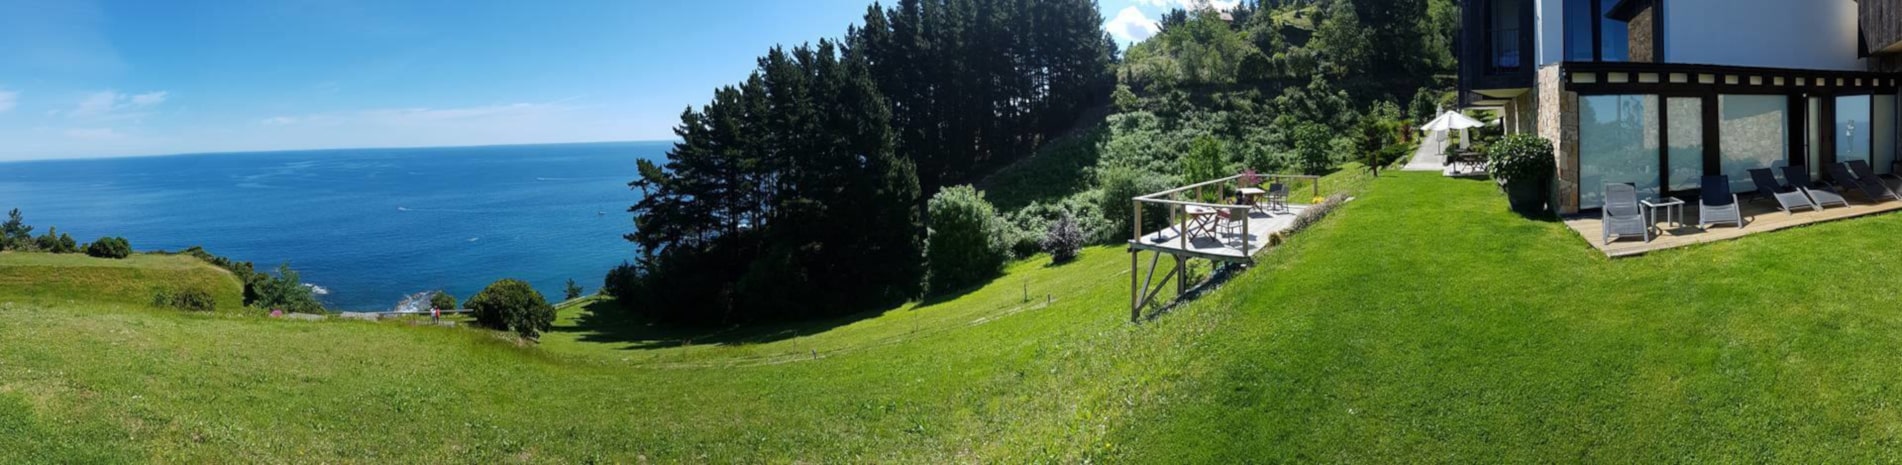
1625 10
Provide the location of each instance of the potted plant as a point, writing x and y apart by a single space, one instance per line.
1523 164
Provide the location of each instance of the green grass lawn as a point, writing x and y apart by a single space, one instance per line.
1426 324
1423 323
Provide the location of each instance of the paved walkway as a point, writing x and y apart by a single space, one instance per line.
1428 158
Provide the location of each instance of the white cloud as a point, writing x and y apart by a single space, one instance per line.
109 104
8 99
148 99
94 134
1223 5
94 104
278 121
1131 25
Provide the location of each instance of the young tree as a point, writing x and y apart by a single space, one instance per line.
1311 145
572 290
15 234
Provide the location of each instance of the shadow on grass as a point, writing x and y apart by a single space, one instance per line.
605 321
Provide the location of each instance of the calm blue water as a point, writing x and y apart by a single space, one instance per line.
369 226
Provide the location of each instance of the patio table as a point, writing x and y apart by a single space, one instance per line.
1669 205
1252 196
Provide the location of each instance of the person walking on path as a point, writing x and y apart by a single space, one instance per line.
435 315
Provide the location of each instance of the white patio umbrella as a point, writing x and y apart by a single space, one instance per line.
1452 120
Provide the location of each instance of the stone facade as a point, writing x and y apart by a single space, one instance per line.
1643 46
1557 121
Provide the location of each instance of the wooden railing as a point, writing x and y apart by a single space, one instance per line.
1222 188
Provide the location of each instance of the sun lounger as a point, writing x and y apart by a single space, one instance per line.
1863 171
1799 177
1788 198
1871 188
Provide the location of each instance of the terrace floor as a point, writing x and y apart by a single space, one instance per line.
1226 245
1760 215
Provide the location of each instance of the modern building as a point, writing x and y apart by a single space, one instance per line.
1661 92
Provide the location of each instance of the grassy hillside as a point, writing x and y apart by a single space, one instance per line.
47 279
1423 323
985 375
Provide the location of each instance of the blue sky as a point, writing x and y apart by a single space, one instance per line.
81 78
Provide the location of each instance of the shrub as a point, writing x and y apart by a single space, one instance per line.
1522 157
285 292
442 300
1120 184
621 282
513 305
1064 239
188 299
1314 213
110 247
965 244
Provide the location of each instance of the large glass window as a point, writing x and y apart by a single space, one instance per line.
1614 36
1852 128
1578 30
1883 130
1751 134
1617 143
1612 39
1504 34
1686 147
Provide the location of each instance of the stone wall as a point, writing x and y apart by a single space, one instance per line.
1643 46
1557 120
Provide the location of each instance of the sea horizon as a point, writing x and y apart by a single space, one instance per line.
336 149
369 226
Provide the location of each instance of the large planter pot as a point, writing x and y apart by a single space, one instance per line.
1527 197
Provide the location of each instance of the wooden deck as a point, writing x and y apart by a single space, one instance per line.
1760 215
1225 247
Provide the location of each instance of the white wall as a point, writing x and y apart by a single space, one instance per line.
1806 34
1550 22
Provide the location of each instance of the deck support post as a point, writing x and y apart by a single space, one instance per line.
1135 293
1182 275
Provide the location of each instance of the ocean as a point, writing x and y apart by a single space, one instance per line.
367 226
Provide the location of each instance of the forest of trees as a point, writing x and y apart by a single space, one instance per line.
797 193
800 192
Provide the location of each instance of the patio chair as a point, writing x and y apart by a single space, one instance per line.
1799 177
1863 171
1715 203
1621 216
1788 198
1232 222
1871 188
1277 196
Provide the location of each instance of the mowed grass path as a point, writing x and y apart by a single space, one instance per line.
1425 324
